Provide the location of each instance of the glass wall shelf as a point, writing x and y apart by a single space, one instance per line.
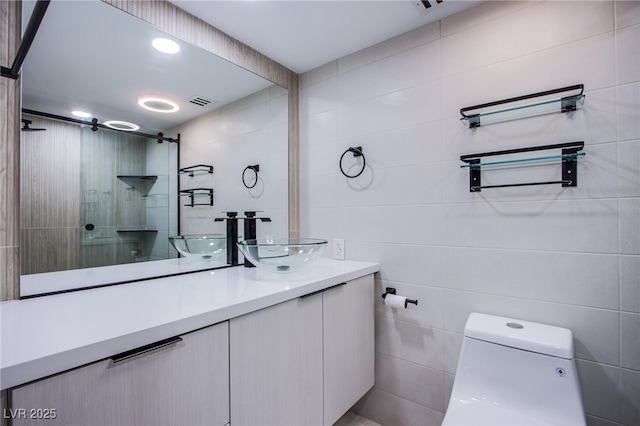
571 102
199 169
138 178
569 159
198 192
525 160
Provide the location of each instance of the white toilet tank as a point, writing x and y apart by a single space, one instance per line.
515 373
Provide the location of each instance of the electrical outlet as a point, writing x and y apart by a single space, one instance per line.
338 249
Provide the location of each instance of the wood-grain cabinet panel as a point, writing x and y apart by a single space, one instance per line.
184 383
305 361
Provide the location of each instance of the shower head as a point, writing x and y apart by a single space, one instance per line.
25 126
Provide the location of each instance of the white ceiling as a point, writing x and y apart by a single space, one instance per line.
91 56
305 34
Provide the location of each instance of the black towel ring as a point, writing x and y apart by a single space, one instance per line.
255 169
357 152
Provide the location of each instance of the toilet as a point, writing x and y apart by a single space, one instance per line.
515 373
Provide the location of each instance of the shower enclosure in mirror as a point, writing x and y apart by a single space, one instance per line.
98 206
92 198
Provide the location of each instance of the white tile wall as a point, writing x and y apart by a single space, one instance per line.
250 131
563 256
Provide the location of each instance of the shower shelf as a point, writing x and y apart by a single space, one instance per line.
196 170
545 105
198 192
569 157
138 178
125 230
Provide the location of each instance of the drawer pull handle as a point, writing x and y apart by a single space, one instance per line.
145 349
323 290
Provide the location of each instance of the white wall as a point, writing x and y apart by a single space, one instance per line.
250 131
563 256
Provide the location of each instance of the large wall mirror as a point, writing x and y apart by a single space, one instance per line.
101 193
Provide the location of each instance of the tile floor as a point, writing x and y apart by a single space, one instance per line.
353 419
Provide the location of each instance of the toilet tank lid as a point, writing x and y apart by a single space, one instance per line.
525 335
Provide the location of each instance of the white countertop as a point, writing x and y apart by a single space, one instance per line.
51 282
51 334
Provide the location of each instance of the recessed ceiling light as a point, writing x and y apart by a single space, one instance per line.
157 104
81 114
165 45
122 125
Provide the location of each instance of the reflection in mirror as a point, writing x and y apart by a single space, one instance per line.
97 207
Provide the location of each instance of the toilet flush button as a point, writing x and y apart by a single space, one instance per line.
515 325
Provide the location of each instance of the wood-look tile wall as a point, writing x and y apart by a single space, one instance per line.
50 196
10 17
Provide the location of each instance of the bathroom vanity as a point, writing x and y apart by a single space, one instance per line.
233 345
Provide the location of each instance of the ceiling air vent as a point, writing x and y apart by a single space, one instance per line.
423 5
200 100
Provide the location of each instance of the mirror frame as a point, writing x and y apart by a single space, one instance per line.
177 22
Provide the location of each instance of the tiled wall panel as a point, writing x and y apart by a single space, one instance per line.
568 257
10 16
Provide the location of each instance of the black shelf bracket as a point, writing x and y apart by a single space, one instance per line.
197 169
197 192
569 157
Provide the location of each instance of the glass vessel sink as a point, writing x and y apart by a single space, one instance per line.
200 246
282 254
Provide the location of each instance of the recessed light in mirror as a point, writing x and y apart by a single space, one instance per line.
122 125
165 45
81 114
157 104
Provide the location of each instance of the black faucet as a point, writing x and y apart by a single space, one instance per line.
232 237
250 221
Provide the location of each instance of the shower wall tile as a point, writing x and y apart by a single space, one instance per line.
408 40
630 390
595 330
391 111
561 256
319 97
377 225
320 128
452 346
571 278
600 385
410 342
630 283
590 62
629 226
627 55
357 192
427 313
410 381
629 168
481 15
627 13
405 146
314 76
546 20
403 70
629 111
630 341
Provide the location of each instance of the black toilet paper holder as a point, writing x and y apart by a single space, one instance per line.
391 290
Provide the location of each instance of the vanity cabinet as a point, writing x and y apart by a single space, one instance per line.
305 361
186 382
349 347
